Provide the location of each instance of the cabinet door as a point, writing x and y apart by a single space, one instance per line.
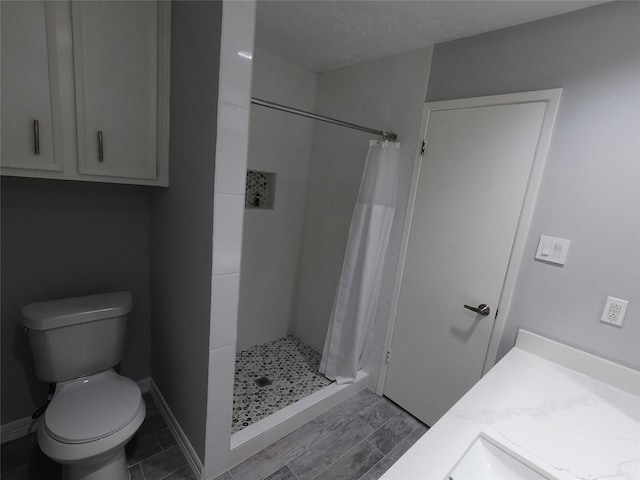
116 69
31 123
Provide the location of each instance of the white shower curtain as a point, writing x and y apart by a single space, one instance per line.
350 329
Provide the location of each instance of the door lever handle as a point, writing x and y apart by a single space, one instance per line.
482 309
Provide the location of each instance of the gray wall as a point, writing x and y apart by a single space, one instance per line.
63 239
182 221
590 189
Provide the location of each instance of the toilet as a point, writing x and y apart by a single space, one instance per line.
94 412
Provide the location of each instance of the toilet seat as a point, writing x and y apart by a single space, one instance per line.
91 408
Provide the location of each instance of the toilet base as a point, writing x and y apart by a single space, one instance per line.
114 467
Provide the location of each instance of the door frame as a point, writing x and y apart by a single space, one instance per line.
552 99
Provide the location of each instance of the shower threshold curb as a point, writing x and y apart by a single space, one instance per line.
253 438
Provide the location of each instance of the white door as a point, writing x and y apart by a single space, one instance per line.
115 47
30 104
468 199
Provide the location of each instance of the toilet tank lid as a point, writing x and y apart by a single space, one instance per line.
71 311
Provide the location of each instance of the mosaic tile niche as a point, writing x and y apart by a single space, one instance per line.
261 190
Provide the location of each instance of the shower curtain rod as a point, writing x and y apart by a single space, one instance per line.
276 106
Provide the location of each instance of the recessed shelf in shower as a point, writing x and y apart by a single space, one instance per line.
261 190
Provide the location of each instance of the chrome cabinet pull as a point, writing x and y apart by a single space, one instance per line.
100 147
36 137
482 309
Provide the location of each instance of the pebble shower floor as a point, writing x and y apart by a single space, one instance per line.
292 368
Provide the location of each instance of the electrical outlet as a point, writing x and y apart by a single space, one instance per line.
614 310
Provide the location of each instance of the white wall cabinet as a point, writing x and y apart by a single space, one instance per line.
96 76
30 98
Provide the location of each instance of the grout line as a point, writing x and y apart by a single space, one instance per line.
379 449
155 455
276 470
411 433
155 435
177 469
383 425
373 405
339 458
420 424
372 467
228 273
326 434
321 437
132 467
384 457
292 472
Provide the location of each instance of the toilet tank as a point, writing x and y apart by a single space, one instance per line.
74 337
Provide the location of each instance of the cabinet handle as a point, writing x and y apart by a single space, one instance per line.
100 147
36 137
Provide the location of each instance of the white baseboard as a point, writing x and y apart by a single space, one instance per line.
144 384
17 429
176 430
24 426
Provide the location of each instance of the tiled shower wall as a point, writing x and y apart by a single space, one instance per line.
384 94
238 20
279 143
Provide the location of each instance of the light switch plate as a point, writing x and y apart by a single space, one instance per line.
553 249
614 310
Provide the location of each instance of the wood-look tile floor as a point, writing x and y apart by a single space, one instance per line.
358 439
152 454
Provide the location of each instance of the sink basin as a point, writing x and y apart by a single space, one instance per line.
486 460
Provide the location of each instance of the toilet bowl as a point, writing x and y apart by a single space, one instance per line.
88 423
94 411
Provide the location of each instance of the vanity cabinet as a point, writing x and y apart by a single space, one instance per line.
95 75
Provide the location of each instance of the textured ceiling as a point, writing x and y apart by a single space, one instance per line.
322 35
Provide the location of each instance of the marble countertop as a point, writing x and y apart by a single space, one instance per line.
569 413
